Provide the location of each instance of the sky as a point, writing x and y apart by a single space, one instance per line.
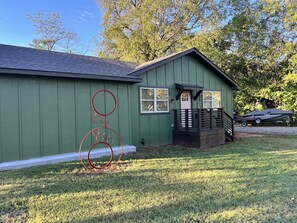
80 16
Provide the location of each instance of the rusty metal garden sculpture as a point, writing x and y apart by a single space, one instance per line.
102 136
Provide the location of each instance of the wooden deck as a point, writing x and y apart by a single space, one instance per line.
200 127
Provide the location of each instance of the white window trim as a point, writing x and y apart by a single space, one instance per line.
212 101
155 100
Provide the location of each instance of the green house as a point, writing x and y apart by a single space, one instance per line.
45 101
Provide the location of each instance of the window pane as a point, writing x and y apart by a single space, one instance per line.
162 94
206 104
185 97
207 95
162 106
216 95
216 104
147 93
147 106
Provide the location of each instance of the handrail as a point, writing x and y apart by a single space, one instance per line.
228 115
198 119
229 126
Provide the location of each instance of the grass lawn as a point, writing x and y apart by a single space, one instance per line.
252 180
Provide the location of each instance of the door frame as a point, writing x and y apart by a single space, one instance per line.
190 118
190 93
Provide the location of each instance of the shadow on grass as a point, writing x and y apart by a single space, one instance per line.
259 174
198 205
201 207
124 180
224 153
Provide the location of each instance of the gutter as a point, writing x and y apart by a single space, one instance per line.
69 75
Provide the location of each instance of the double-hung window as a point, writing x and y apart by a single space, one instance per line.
154 100
212 99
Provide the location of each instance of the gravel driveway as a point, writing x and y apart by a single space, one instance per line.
268 130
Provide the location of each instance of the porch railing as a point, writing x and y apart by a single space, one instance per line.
197 120
229 127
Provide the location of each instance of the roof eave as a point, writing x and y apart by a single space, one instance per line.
152 66
224 75
69 75
139 71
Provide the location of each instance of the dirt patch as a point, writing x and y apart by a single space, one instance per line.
241 135
14 216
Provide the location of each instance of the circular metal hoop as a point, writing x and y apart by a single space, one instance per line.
95 133
103 166
114 101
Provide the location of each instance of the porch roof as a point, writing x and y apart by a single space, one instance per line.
188 87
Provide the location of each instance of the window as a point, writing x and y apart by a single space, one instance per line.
154 100
185 97
211 99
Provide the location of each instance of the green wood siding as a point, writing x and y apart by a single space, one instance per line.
30 120
49 112
49 116
10 120
156 128
82 109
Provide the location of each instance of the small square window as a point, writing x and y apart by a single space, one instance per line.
212 99
154 100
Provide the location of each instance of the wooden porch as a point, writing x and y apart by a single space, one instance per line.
202 127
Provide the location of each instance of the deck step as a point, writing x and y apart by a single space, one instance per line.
228 138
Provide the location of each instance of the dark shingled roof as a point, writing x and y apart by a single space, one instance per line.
28 61
49 63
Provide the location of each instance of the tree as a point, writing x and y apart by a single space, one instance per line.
254 41
143 30
286 95
53 36
259 56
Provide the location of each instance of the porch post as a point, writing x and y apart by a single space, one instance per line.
222 117
187 119
199 120
175 119
211 118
